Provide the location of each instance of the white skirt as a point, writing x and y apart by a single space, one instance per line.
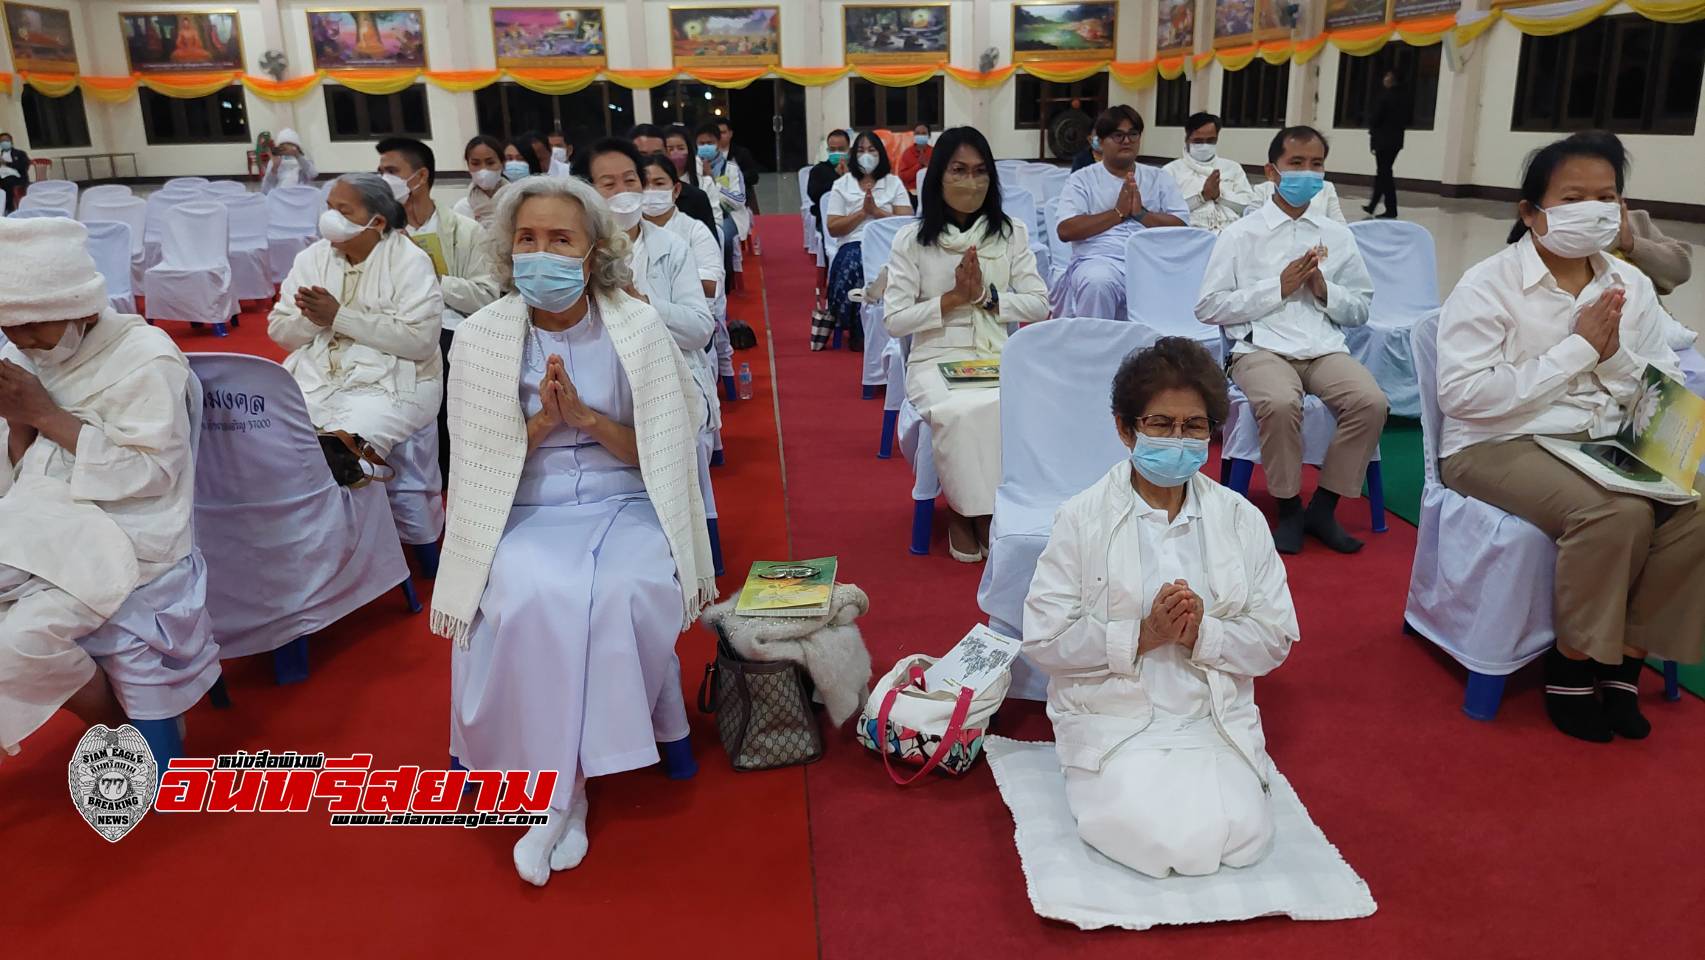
965 434
376 416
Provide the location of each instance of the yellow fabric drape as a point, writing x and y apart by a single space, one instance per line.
376 82
978 80
1137 76
1237 58
1686 11
186 86
6 82
465 81
50 84
1064 71
281 91
897 76
1551 26
639 79
822 76
1171 68
1307 50
552 81
727 78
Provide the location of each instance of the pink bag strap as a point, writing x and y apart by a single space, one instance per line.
950 737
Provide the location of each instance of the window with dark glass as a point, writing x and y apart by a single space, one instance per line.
54 122
1255 96
1625 74
216 118
1172 102
507 110
895 108
1360 86
353 115
1040 99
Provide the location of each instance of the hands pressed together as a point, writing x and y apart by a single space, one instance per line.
1130 198
24 402
968 285
1211 187
1176 617
1600 323
317 304
1305 270
560 402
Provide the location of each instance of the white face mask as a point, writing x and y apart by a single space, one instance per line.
64 350
399 187
338 228
625 208
559 154
1580 229
658 202
1204 152
487 179
867 162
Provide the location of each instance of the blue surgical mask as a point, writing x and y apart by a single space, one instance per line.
1094 143
515 170
1168 461
5 144
836 157
1298 187
707 151
921 139
549 281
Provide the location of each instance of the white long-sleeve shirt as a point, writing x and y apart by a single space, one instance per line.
1511 365
847 196
1240 290
1235 196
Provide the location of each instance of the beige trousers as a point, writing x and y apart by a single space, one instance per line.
1629 569
1275 387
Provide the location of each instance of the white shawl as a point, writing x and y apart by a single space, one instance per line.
488 448
1236 195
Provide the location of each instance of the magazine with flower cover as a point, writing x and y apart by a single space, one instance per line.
788 588
1657 453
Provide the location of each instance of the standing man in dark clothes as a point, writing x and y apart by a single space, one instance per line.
14 171
1386 124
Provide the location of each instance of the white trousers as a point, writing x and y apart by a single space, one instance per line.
41 665
376 416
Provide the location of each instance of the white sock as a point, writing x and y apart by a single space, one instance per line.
533 851
571 848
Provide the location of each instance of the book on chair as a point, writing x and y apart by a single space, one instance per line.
1658 451
788 588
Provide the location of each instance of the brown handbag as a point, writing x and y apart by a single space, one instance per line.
763 710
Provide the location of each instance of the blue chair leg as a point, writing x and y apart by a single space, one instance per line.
868 392
220 331
235 321
923 524
890 422
426 554
1376 496
678 759
163 738
410 597
1672 680
715 544
835 339
1484 693
1242 471
219 696
290 662
730 392
717 459
456 764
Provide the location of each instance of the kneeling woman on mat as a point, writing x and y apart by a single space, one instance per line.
1158 601
576 549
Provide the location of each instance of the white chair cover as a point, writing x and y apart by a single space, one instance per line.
1057 439
1242 438
120 208
831 243
292 225
1020 204
1010 168
1053 182
1163 281
221 188
1402 261
1059 251
192 281
1692 369
911 432
191 184
158 651
109 246
1482 582
51 193
875 250
26 213
810 229
289 552
98 193
247 247
416 492
158 203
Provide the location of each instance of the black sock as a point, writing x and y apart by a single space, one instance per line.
1569 700
1287 533
1619 685
1321 522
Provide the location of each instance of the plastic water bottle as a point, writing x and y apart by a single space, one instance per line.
744 381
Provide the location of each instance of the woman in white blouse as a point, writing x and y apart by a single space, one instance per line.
1551 336
868 191
1157 602
956 278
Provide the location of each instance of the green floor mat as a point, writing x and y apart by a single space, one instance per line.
1400 467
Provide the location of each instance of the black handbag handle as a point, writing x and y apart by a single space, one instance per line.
707 689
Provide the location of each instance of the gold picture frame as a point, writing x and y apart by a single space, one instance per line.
321 47
1107 28
514 59
872 56
1348 14
686 50
176 61
40 64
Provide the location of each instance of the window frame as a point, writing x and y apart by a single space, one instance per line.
1591 59
1091 91
1359 77
364 120
881 98
1272 85
181 108
566 110
44 131
1172 101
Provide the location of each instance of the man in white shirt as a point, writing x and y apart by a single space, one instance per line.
1215 187
1283 282
1101 206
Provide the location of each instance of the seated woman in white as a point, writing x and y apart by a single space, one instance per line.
868 191
360 313
576 549
484 156
1157 602
957 277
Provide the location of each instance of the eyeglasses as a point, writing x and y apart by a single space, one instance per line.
1196 428
1122 136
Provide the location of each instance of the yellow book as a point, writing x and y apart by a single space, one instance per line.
788 588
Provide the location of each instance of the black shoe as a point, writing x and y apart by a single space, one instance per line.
1320 521
1287 533
1387 215
1569 699
1619 686
1368 209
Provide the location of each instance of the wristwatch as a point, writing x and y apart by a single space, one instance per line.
991 301
1139 213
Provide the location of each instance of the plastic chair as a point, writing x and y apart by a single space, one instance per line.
61 194
26 213
289 552
1481 585
109 246
247 248
877 247
1401 260
417 496
192 281
810 230
129 210
1163 281
1057 439
292 225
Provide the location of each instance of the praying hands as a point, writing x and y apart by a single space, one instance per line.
318 305
560 402
1175 617
28 408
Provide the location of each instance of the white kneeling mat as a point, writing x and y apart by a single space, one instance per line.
1302 877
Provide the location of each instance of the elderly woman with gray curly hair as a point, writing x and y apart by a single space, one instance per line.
576 550
360 314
